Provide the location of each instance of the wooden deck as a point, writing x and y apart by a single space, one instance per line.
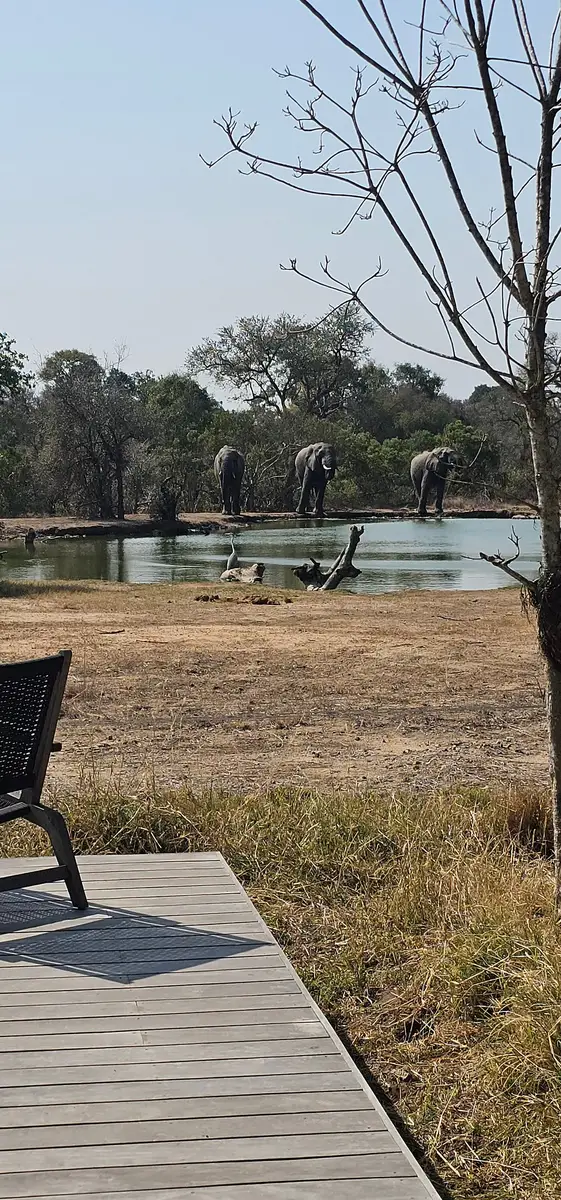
160 1045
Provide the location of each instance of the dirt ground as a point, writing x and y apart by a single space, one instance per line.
416 688
142 525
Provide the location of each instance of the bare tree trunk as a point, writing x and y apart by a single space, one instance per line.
317 580
548 499
553 683
343 566
120 490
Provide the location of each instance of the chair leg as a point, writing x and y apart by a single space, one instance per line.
55 826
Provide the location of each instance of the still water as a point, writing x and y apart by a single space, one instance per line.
392 555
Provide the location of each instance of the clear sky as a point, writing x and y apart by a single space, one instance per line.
112 229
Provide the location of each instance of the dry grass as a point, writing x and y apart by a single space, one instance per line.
413 690
422 924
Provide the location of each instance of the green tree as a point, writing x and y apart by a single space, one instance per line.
16 430
92 416
15 378
419 379
180 413
480 462
282 363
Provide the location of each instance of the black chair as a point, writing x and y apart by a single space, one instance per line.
30 700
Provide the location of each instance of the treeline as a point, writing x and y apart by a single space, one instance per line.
88 438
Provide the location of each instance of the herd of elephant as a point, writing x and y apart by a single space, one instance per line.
316 465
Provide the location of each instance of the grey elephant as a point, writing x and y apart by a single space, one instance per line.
430 472
229 467
315 466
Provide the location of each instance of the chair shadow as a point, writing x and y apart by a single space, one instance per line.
107 942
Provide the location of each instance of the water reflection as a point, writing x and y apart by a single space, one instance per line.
392 556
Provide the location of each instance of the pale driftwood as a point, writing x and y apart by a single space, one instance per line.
253 574
317 580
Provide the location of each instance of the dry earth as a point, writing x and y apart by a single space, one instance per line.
413 689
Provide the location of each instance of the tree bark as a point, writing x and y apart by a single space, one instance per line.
548 499
120 490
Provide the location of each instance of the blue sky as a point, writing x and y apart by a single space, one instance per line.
113 231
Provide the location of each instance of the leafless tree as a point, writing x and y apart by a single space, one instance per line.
420 73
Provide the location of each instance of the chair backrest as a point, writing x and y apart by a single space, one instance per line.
30 699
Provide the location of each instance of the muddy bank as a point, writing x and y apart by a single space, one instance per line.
141 525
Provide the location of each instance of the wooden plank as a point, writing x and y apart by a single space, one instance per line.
14 975
153 875
181 864
162 1041
284 1044
121 861
145 950
170 912
129 951
79 989
139 920
153 884
142 944
146 864
185 890
112 1113
62 1029
157 1134
121 895
146 966
276 1059
75 1017
176 909
208 1150
152 937
326 1189
102 1180
260 1077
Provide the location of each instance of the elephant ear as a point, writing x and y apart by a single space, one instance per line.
312 460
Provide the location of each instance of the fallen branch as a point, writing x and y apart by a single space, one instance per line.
317 580
505 564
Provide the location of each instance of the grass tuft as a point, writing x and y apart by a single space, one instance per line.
422 925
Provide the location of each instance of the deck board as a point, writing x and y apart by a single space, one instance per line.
160 1046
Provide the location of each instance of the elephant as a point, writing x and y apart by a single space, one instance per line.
315 466
429 473
229 467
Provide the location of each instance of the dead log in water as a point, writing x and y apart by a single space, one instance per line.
317 580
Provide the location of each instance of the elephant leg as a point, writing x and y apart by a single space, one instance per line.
305 490
320 493
236 499
440 486
226 501
424 493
